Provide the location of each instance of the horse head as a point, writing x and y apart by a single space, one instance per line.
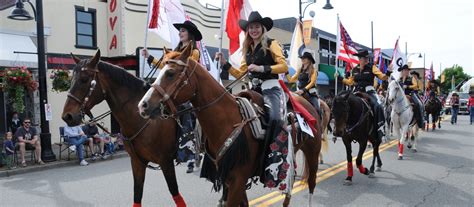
173 86
340 110
394 90
85 91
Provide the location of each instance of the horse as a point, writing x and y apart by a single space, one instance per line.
388 118
354 119
402 116
183 79
433 106
94 81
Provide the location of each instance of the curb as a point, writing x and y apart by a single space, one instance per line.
52 165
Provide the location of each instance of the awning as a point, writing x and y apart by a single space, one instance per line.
323 79
21 43
330 70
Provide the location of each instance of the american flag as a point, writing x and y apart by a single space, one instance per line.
429 75
347 48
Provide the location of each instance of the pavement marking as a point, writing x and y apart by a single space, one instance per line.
276 196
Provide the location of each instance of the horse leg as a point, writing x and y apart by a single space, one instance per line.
401 144
360 166
169 172
310 153
222 201
236 189
138 171
350 170
434 118
415 138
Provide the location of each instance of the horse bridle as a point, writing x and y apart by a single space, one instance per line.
92 87
399 99
174 89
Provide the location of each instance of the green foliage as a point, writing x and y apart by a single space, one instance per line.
458 73
16 81
61 80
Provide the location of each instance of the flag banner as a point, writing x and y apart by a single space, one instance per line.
347 48
206 60
296 47
163 14
377 55
398 60
238 9
307 29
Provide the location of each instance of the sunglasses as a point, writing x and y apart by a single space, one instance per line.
26 122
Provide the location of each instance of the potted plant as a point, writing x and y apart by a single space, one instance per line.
17 82
61 80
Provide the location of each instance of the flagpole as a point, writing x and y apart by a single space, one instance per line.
221 39
337 54
146 37
372 35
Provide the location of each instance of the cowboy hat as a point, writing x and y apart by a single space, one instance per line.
191 27
403 68
415 73
308 56
455 94
362 54
435 82
254 16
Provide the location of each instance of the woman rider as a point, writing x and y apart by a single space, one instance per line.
363 78
263 60
410 85
188 34
307 76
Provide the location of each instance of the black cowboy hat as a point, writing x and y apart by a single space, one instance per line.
435 82
191 27
308 56
254 16
455 94
403 68
362 54
415 73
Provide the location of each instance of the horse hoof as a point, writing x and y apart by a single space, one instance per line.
415 151
378 169
409 146
221 204
371 175
400 157
347 182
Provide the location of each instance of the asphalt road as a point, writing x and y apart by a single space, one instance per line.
440 174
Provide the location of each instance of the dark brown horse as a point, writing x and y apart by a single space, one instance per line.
433 106
94 81
354 122
184 80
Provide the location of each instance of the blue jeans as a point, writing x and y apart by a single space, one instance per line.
78 141
471 113
454 115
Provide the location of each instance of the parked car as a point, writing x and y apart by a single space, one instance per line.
463 98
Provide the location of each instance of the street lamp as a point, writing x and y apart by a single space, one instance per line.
19 13
328 6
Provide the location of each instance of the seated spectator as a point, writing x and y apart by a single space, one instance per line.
109 145
76 137
92 133
9 150
28 138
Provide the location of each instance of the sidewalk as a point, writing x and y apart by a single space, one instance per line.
32 167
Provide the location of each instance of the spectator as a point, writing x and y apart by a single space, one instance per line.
93 136
454 102
76 138
15 122
28 138
470 106
109 145
9 150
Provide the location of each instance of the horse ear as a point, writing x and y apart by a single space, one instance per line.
95 60
166 50
76 59
187 51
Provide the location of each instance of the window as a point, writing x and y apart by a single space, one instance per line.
86 33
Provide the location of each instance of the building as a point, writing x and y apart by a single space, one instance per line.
81 27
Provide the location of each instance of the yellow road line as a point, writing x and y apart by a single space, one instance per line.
276 196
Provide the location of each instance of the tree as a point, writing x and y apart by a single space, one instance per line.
459 76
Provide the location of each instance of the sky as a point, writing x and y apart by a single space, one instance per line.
442 30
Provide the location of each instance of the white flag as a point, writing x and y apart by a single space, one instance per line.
398 60
163 14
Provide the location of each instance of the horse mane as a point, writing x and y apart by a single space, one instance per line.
120 75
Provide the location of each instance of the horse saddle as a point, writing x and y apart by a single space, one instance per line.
251 107
366 98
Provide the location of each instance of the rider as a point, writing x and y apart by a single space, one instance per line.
410 86
363 78
263 59
419 83
433 86
307 77
188 34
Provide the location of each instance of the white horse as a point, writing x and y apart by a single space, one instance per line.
404 124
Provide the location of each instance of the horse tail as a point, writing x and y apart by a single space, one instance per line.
305 175
324 126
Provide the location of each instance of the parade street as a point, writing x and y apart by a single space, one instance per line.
439 174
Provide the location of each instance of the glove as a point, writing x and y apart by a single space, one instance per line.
404 86
389 72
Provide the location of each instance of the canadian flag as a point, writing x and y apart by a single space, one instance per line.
162 15
238 9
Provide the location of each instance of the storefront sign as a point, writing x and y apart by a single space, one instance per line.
115 28
307 28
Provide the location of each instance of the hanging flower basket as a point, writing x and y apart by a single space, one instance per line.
17 82
61 80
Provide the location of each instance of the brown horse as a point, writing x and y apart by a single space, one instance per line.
94 81
182 80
